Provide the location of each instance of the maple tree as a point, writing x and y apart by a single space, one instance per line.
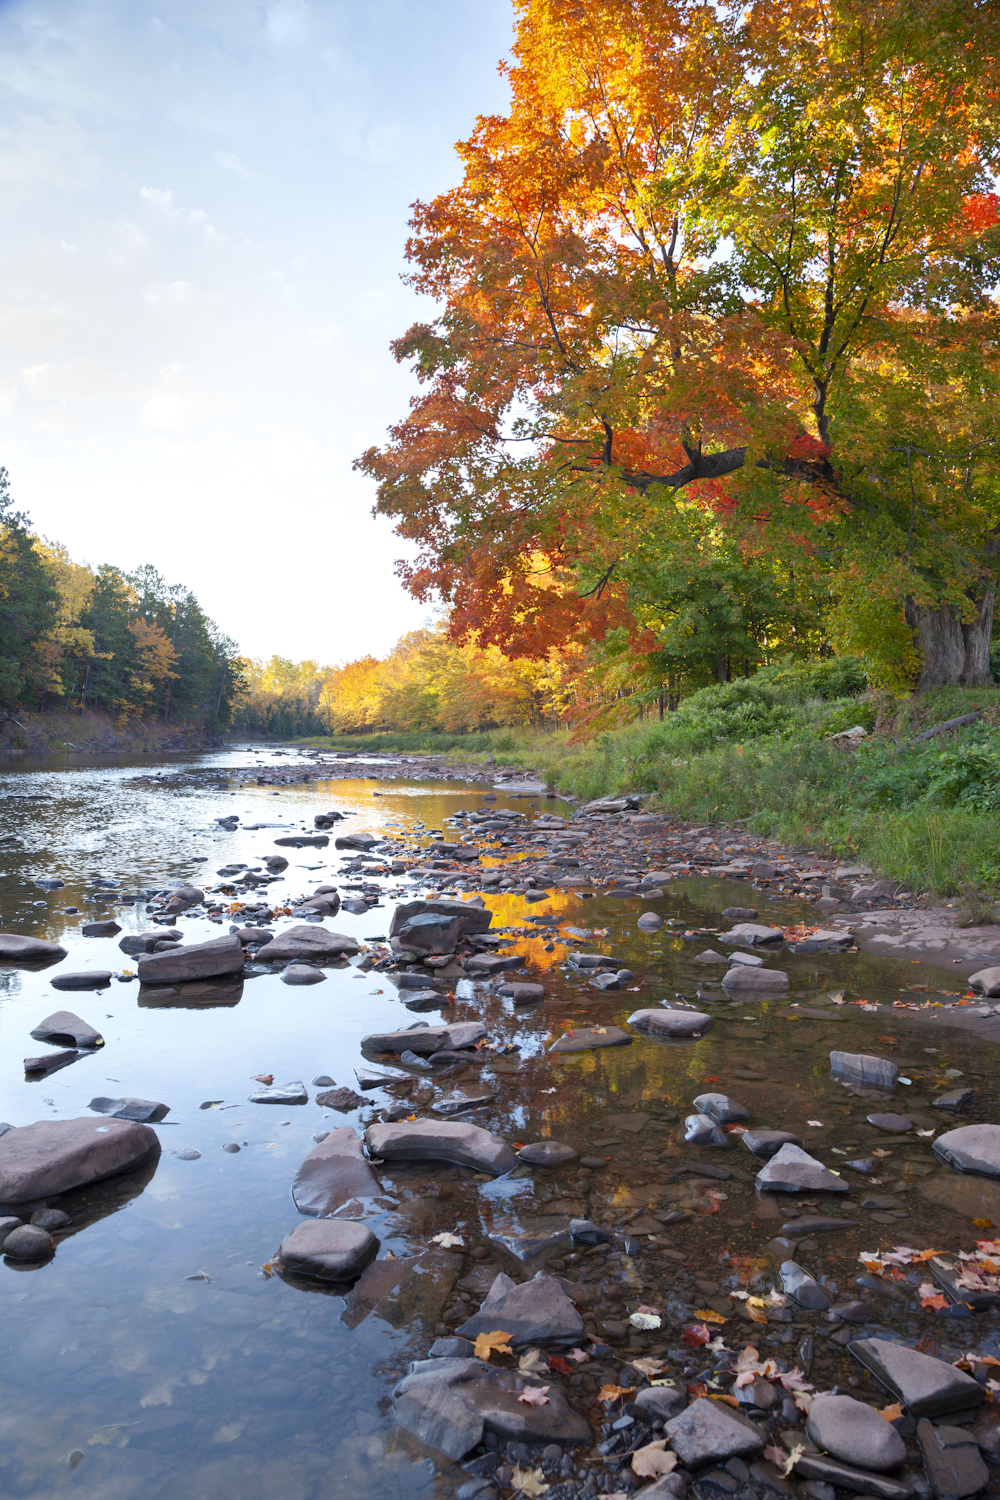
719 285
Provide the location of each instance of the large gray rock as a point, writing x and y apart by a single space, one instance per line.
436 926
954 1464
765 1143
926 1386
971 1148
852 1431
753 932
426 1039
331 1249
448 1403
441 1140
310 940
52 1156
96 979
201 961
335 1180
708 1432
146 942
864 1071
743 980
537 1312
590 1038
660 1402
987 981
721 1108
792 1170
64 1029
13 946
660 1022
146 1111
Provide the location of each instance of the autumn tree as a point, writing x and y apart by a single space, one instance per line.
726 264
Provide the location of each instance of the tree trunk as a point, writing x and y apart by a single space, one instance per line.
722 666
953 653
977 644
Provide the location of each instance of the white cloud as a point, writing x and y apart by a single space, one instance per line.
166 411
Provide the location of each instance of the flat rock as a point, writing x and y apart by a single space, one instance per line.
441 1140
462 1103
742 980
522 994
335 1180
310 940
281 1093
605 980
986 981
721 1108
547 1153
765 1143
64 1029
898 1124
200 961
315 841
449 1403
331 1249
29 1242
753 932
13 946
745 960
660 1022
854 1432
954 1464
863 1070
843 1476
51 1062
660 1402
792 1170
301 974
954 1101
587 1038
146 942
971 1148
708 1432
537 1312
926 1386
804 1289
342 1099
96 979
52 1156
741 913
425 1040
145 1111
799 1229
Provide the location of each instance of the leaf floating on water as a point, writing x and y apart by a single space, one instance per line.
535 1395
487 1342
447 1240
529 1482
976 1223
654 1459
754 1313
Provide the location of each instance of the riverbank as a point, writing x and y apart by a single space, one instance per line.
92 732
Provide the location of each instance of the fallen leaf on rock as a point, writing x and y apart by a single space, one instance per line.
930 1297
487 1342
612 1392
535 1395
447 1240
532 1362
755 1314
648 1367
559 1365
893 1412
696 1335
708 1316
578 1356
528 1481
654 1459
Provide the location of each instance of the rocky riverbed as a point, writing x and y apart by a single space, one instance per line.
463 1141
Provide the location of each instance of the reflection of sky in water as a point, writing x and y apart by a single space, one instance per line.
245 1385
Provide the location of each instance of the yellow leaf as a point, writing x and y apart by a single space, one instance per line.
892 1412
612 1392
487 1342
755 1314
705 1315
983 1224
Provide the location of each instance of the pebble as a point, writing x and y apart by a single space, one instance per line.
896 1123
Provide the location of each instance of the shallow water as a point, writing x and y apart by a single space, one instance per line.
243 1384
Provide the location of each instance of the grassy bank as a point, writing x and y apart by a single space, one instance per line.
759 752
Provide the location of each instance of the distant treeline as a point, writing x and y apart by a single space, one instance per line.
128 643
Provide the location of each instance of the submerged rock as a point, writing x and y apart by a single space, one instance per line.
926 1386
954 1464
201 961
441 1140
682 1024
804 1289
547 1153
330 1249
792 1170
863 1071
971 1148
281 1093
835 1475
589 1038
537 1312
753 932
749 981
583 1232
52 1156
660 1402
701 1130
64 1029
335 1179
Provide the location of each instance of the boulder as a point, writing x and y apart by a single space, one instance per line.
146 942
792 1170
547 1153
425 1040
146 1111
765 1143
926 1386
804 1289
954 1464
587 1038
310 940
707 1432
863 1070
986 981
64 1029
660 1022
330 1249
441 1140
97 979
743 980
29 1242
201 961
721 1108
301 974
971 1148
436 926
852 1431
753 932
537 1312
13 946
52 1156
335 1180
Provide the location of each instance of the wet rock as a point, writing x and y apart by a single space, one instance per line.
721 1108
856 1433
547 1153
659 1403
864 1164
680 1024
863 1070
441 1140
927 1387
276 863
50 1219
51 1062
792 1170
537 1312
593 961
145 1111
187 1153
954 1464
587 1038
428 926
29 1243
522 994
146 942
800 1228
986 981
335 1179
324 1081
954 1101
460 1104
52 1156
64 1029
100 929
310 940
701 1130
650 921
605 980
971 1148
747 960
742 914
301 974
710 957
746 981
583 1232
667 1487
813 1466
403 1292
708 1432
316 841
342 1099
97 979
331 1249
201 961
802 1288
898 1124
231 1147
424 1000
765 1143
251 936
425 1040
281 1093
450 1348
13 946
753 932
8 1223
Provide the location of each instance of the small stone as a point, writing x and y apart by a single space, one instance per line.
74 1457
187 1153
987 981
29 1243
330 1249
856 1433
650 921
896 1123
792 1170
748 960
741 913
231 1147
324 1081
97 979
954 1101
701 1130
335 1178
7 1225
523 994
537 1312
441 1140
659 1403
816 1467
679 1024
107 928
301 974
342 1099
451 1348
744 981
765 1143
64 1029
751 932
710 957
50 1219
583 1232
802 1288
547 1153
813 1224
590 1038
721 1108
954 1464
146 1111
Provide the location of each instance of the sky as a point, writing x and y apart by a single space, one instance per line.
204 211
